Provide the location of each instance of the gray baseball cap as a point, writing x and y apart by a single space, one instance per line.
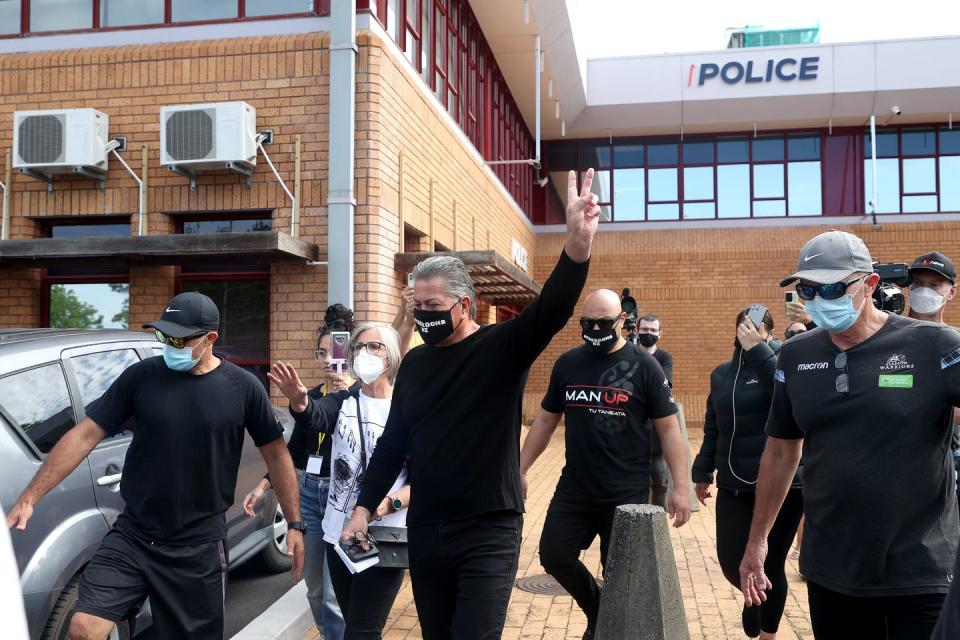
831 257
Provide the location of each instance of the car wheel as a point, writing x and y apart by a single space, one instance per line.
274 556
59 623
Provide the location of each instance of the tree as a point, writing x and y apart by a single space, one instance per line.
124 316
67 311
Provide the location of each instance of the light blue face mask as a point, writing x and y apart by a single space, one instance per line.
837 315
181 359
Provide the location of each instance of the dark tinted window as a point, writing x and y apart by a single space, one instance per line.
698 152
595 155
803 147
628 155
227 226
562 156
662 153
88 230
733 150
38 403
887 146
918 142
95 373
767 148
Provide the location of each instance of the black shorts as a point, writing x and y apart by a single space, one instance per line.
186 584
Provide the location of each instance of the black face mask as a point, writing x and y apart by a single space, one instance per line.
647 339
434 326
601 341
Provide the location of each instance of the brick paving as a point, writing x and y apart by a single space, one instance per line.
712 606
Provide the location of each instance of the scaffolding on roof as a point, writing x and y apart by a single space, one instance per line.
748 37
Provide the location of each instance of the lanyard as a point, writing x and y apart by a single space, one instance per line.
320 439
363 443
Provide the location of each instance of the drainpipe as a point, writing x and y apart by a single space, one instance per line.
341 204
5 223
873 165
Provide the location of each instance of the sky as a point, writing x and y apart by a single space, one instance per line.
604 28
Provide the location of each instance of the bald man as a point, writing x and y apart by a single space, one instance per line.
606 389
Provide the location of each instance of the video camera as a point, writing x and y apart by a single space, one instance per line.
894 276
628 305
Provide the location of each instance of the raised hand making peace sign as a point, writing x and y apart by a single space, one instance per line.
583 214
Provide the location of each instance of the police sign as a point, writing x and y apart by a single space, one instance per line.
784 69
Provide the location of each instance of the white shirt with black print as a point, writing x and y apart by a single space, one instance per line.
346 468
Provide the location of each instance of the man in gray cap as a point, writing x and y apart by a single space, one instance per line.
191 409
868 398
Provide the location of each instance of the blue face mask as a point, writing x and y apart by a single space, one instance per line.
181 359
837 315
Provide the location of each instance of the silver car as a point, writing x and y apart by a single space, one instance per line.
47 379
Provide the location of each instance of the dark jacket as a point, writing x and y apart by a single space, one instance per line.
746 381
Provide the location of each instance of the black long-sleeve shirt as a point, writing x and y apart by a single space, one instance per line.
455 417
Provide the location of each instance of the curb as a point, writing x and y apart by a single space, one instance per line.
289 618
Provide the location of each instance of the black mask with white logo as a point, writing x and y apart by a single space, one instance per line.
434 326
600 341
647 339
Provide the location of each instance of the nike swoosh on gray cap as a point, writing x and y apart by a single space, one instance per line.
831 257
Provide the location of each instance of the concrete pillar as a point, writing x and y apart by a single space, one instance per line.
641 592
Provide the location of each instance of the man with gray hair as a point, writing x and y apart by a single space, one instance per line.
868 398
455 420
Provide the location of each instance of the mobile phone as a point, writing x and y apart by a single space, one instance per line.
356 553
338 345
756 314
410 279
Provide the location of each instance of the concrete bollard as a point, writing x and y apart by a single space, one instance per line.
641 591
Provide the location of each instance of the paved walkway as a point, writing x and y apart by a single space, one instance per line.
712 606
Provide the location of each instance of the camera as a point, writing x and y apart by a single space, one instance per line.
628 305
896 110
894 276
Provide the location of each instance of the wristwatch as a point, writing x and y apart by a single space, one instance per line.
395 503
297 526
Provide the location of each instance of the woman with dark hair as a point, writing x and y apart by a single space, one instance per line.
741 390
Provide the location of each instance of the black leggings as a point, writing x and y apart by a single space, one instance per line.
734 513
365 598
835 616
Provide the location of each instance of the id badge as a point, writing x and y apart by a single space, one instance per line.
314 464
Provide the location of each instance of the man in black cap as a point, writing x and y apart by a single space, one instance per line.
189 410
854 396
933 285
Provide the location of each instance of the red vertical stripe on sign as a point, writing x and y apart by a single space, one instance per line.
690 79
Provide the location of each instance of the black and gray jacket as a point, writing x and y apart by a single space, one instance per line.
733 446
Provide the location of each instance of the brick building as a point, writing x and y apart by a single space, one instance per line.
713 168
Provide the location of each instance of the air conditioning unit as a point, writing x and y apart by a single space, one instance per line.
60 141
209 136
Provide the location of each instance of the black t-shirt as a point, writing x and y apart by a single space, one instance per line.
606 401
665 358
881 513
180 472
455 415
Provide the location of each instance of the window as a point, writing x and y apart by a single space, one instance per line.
241 291
124 13
276 7
94 298
60 15
95 372
191 10
9 17
38 403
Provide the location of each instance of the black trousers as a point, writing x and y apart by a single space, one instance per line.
462 574
838 616
186 584
571 526
734 514
365 598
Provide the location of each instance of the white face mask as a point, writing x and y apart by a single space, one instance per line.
926 300
368 367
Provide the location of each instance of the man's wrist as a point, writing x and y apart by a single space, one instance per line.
300 404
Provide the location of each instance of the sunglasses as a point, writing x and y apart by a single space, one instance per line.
830 291
604 324
176 343
373 348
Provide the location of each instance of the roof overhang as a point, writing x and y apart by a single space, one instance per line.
173 249
496 280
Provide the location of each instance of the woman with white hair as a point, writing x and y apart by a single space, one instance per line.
355 419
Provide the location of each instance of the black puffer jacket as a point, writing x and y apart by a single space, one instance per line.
736 457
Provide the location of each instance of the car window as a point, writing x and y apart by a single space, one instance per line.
38 403
96 372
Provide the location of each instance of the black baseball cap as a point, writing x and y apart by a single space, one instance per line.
938 263
187 314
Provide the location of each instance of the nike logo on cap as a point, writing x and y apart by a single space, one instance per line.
809 258
169 310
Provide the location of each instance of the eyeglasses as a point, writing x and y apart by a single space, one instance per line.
320 354
604 324
830 291
373 348
176 343
843 380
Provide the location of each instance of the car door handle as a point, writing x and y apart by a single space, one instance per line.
106 481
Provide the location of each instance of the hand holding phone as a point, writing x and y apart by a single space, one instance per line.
354 548
756 313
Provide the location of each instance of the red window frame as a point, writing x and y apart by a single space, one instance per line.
320 8
936 129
